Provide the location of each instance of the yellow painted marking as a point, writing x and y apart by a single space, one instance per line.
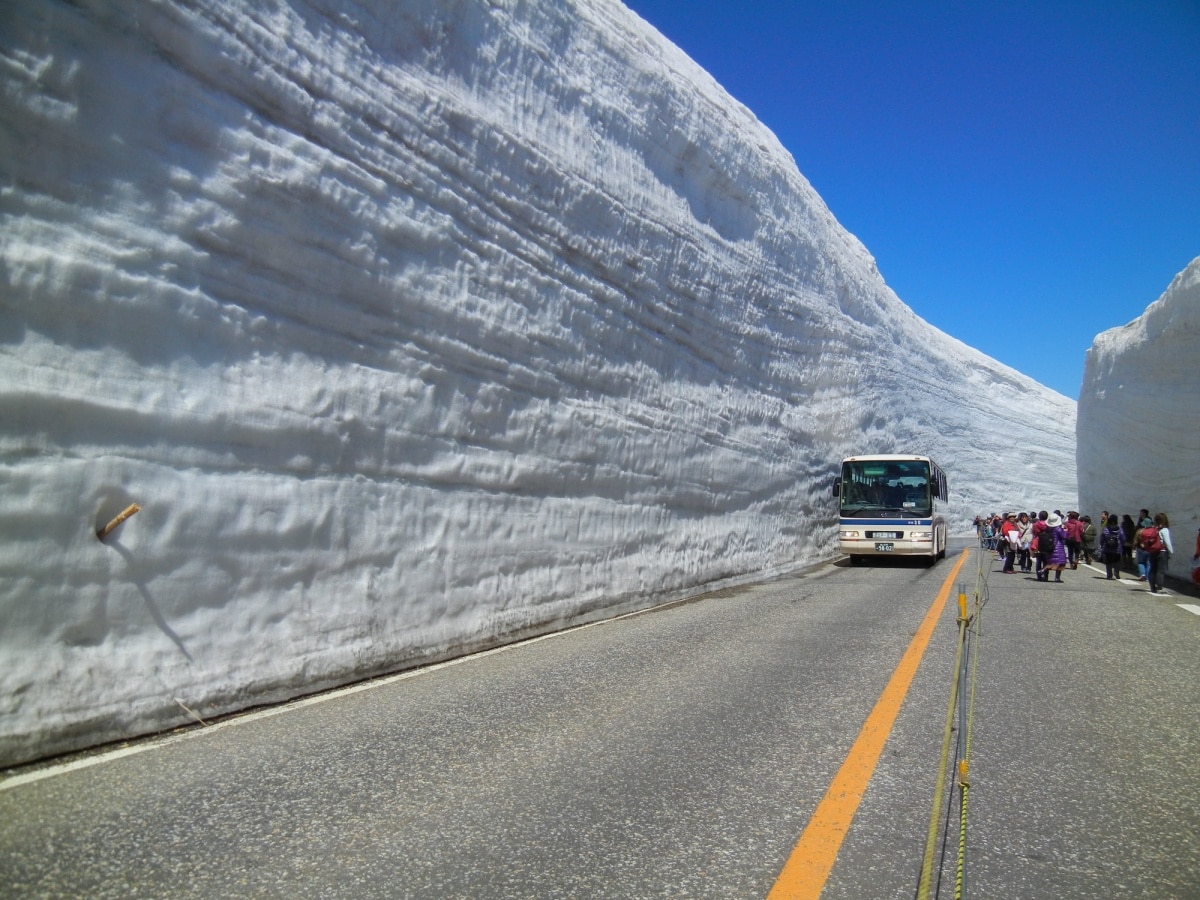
808 867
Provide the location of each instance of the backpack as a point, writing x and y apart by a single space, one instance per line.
1045 542
1110 542
1151 542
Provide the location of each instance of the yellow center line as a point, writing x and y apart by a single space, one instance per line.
808 867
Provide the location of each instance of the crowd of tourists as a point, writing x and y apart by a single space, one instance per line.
1048 543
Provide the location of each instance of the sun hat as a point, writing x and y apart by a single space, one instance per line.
1054 521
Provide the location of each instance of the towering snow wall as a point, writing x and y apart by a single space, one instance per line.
415 326
1139 415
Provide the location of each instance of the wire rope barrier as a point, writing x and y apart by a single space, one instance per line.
956 743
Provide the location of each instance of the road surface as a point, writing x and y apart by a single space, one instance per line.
680 752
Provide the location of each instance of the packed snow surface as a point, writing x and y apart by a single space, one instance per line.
1139 416
413 327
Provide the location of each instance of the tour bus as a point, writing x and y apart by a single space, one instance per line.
889 506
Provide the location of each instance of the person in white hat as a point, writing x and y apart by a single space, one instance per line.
1052 543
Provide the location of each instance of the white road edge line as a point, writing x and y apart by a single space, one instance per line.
1118 579
1190 607
152 742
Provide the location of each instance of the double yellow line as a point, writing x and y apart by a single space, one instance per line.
811 860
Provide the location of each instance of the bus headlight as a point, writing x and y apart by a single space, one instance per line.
848 535
920 535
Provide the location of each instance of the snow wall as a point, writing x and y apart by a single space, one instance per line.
415 327
1139 416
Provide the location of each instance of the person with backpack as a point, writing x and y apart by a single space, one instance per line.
1141 557
1156 541
1129 529
1112 548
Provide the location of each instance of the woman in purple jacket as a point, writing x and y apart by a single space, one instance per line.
1056 559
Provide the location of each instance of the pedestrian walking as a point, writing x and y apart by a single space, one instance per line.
1090 533
1156 541
1074 529
1196 561
1112 548
1039 525
1141 556
1053 547
1025 530
1129 529
1011 543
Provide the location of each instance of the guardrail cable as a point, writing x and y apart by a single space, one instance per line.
962 708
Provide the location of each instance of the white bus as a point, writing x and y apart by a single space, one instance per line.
889 506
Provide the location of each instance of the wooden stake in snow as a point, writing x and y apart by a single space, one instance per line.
125 514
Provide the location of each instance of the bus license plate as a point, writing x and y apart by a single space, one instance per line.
884 548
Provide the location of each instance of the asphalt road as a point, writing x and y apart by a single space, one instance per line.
675 753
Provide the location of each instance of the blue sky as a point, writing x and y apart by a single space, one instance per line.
995 158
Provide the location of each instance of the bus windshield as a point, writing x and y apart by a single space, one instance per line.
886 488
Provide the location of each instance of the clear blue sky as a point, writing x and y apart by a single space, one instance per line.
991 156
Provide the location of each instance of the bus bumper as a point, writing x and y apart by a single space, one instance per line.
859 547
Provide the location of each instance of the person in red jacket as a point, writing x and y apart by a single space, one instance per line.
1196 561
1011 536
1040 551
1074 529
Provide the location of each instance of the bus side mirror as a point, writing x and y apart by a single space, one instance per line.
837 487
